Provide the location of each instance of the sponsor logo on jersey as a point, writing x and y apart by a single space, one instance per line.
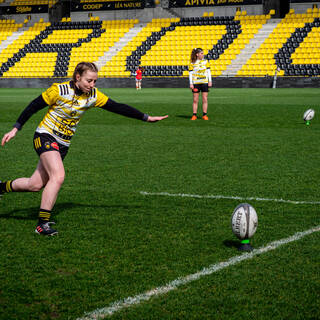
55 145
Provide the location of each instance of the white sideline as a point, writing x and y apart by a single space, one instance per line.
130 301
186 195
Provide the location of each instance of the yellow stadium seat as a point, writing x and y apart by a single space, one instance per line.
180 41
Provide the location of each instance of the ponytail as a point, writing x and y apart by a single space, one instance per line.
194 53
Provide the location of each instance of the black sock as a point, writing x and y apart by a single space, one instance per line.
44 215
204 114
6 186
194 114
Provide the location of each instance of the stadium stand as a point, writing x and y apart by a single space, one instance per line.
19 59
163 46
249 27
109 33
7 27
127 61
62 45
293 47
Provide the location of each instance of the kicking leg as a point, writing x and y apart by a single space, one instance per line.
33 184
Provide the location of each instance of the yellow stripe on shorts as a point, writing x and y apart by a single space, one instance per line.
8 186
37 143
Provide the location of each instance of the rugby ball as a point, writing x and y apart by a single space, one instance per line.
308 115
244 221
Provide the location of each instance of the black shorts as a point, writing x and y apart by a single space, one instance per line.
43 142
200 87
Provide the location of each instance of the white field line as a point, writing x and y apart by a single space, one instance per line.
130 301
185 195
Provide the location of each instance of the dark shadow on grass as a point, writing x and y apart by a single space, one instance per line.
231 243
32 213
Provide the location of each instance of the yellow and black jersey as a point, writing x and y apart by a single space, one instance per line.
66 109
67 105
199 72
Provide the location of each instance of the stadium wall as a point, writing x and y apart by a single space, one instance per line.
149 13
220 82
146 14
35 17
302 7
218 11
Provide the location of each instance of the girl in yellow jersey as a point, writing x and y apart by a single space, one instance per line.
67 103
200 81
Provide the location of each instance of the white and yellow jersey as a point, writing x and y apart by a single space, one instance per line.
199 72
66 109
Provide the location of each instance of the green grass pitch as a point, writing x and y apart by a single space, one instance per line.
115 242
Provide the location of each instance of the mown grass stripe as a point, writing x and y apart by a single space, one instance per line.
186 195
130 301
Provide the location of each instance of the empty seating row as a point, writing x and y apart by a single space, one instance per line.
163 46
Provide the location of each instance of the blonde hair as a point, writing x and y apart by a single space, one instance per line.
83 67
194 53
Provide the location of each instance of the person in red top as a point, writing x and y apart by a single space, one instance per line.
139 77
